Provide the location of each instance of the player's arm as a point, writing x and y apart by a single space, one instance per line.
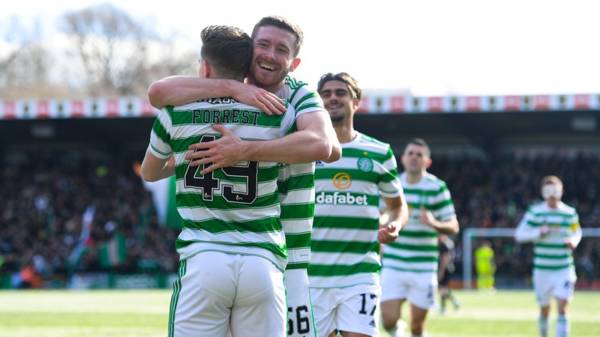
155 168
390 188
396 217
322 126
576 234
313 141
526 232
179 90
158 161
444 221
448 227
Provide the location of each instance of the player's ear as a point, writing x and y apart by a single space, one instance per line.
205 70
355 103
428 162
295 64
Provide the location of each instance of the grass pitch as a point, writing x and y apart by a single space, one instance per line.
143 313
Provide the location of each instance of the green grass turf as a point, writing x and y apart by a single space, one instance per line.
144 313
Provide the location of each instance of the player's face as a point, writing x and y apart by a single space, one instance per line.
415 158
552 192
338 100
274 58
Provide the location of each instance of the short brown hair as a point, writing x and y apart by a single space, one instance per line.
420 142
282 23
342 77
228 49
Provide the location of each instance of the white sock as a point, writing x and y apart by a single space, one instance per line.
562 326
397 330
454 301
543 326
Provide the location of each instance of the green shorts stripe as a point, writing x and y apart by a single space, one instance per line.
175 297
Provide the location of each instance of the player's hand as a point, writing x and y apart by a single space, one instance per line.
569 244
388 233
260 98
544 230
223 152
137 168
426 218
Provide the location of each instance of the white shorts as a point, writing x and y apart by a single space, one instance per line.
556 283
217 293
301 322
350 309
418 288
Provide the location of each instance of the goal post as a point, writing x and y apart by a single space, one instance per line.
469 234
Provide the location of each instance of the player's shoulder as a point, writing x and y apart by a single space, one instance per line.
373 141
538 207
294 83
372 144
570 210
298 91
432 179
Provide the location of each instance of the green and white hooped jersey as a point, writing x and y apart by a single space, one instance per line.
416 248
345 248
234 209
550 252
297 182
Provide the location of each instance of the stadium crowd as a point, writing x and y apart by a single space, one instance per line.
63 213
44 234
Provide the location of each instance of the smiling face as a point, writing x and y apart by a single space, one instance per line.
338 100
274 50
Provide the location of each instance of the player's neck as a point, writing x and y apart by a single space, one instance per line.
414 177
273 88
345 133
552 203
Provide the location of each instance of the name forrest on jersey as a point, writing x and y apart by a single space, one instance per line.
228 116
